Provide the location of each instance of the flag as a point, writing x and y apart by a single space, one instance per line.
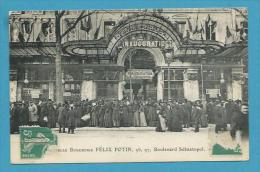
98 28
229 38
86 24
228 33
202 30
237 29
189 25
188 29
196 27
208 18
96 32
213 27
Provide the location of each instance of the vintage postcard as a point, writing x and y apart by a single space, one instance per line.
137 85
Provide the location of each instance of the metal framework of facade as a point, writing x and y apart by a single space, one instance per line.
100 64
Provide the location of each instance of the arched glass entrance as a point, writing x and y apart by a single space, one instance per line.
140 75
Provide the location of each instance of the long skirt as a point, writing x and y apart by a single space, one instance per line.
136 119
116 118
204 122
108 120
94 119
161 125
142 120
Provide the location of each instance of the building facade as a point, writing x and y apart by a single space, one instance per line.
159 54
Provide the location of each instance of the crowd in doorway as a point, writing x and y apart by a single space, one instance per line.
169 115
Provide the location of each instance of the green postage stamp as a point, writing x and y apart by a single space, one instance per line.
34 141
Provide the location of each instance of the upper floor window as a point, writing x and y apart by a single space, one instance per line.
108 26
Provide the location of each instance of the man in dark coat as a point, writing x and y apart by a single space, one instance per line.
186 113
71 120
43 118
151 114
196 113
236 120
24 117
16 117
51 115
210 112
62 117
175 121
219 113
101 113
229 109
79 114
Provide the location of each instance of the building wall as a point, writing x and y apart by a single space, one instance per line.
223 17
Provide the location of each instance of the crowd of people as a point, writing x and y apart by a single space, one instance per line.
163 115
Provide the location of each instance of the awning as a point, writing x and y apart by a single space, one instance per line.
31 49
233 52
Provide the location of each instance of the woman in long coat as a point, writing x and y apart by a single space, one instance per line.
131 115
219 117
161 121
196 113
94 116
136 115
151 115
124 116
143 122
51 116
175 123
116 115
108 116
79 113
101 114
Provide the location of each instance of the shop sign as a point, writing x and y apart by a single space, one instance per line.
67 94
161 31
35 93
147 43
139 74
213 93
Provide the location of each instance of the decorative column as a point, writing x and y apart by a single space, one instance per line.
229 86
121 84
88 86
19 92
237 74
229 90
237 90
191 85
13 91
51 90
160 84
120 89
13 85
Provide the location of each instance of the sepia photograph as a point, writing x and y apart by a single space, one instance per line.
136 85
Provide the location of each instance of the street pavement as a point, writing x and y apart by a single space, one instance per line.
141 141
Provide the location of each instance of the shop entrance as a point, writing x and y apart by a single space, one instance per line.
140 75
